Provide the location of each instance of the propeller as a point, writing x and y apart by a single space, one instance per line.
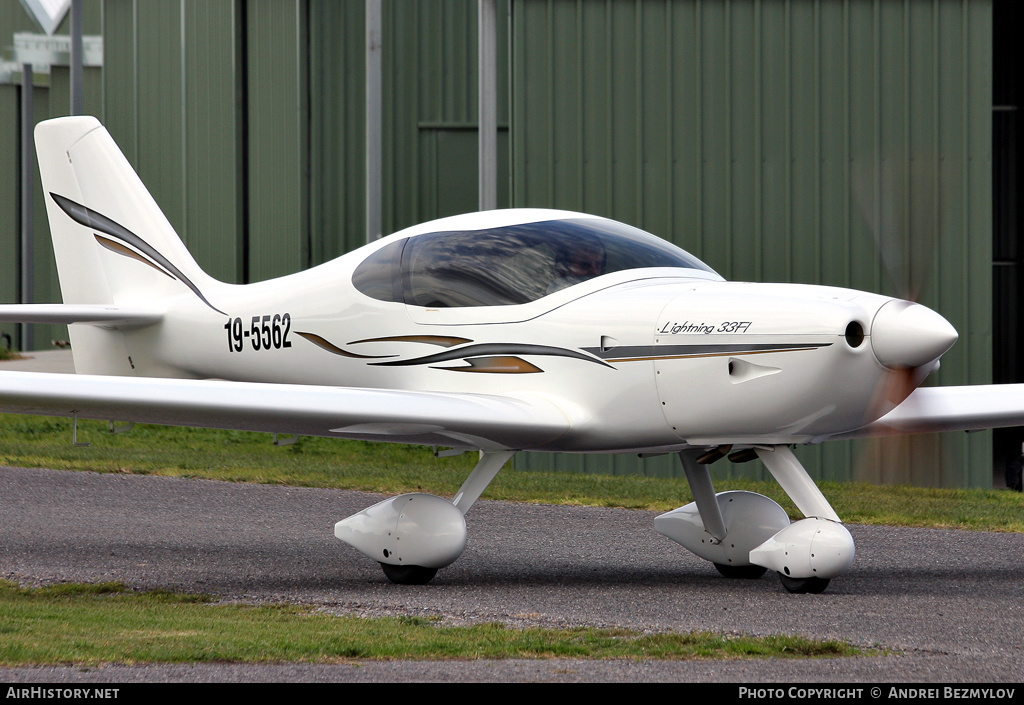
899 199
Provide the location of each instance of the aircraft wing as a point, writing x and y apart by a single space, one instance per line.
108 316
936 409
487 422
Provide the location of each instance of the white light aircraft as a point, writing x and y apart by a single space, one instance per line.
495 332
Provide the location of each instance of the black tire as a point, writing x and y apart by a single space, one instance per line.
741 572
408 574
802 586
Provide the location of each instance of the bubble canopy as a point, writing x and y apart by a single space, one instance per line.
510 264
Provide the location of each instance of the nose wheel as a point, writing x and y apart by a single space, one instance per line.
803 586
408 574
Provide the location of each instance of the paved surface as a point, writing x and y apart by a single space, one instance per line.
41 361
949 605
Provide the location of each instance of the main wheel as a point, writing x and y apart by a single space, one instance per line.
408 574
743 572
803 585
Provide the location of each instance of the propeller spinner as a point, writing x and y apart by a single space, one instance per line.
906 335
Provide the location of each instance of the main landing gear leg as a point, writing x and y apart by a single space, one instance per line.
486 468
703 490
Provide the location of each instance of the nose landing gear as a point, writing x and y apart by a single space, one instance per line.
745 534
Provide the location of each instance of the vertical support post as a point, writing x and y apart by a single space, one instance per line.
374 120
74 431
487 72
28 160
77 74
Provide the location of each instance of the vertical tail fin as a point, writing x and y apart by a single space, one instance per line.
111 241
97 204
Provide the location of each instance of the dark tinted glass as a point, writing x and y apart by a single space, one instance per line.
379 276
513 264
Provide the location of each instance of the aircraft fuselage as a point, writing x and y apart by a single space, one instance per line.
667 360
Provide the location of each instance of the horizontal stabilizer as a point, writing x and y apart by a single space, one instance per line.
95 314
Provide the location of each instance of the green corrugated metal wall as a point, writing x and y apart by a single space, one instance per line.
175 103
336 129
262 102
430 75
52 96
766 136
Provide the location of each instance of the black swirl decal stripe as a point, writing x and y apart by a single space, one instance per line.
492 350
494 358
330 347
97 221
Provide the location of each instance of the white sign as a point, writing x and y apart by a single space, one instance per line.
48 13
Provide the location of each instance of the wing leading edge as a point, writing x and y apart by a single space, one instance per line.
937 409
486 422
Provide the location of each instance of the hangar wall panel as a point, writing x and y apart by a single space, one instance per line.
430 110
277 138
337 160
212 127
171 103
10 223
841 143
251 113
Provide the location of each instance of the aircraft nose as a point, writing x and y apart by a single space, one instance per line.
906 335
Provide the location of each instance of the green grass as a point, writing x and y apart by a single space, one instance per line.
29 441
104 623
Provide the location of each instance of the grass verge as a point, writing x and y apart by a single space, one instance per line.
105 623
